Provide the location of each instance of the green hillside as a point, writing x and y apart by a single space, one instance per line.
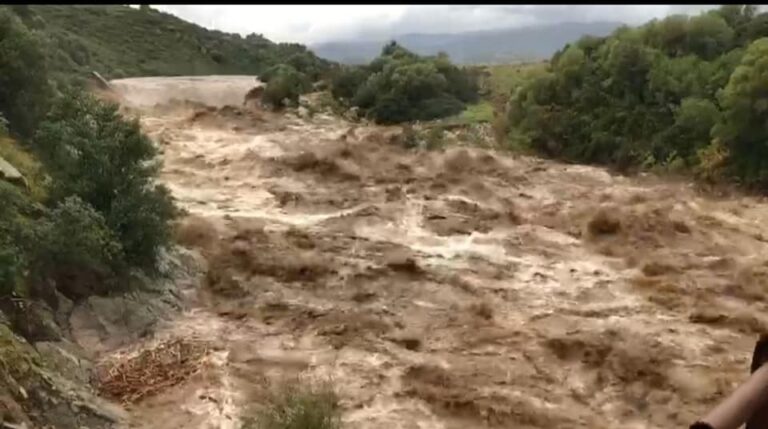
119 41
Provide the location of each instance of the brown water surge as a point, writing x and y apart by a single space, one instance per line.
450 289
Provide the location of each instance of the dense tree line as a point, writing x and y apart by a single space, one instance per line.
400 86
682 92
88 212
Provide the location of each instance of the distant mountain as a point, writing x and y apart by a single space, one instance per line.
490 46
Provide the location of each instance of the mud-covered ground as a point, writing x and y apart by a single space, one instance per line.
458 288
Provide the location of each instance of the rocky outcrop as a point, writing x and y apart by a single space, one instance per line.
46 365
33 394
103 323
9 173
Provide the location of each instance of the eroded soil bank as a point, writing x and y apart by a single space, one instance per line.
445 289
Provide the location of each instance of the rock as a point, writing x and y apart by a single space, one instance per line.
353 114
67 359
61 306
401 261
320 86
63 309
9 173
11 412
32 394
408 340
34 320
102 323
77 284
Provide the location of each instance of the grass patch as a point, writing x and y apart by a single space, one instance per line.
481 112
477 113
298 406
504 78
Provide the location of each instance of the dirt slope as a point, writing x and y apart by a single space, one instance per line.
456 289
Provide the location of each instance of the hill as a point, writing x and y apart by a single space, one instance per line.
480 47
119 41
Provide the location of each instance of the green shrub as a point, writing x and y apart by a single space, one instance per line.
91 152
346 81
17 235
390 109
284 83
296 406
77 249
441 106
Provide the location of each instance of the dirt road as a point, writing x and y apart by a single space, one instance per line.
463 288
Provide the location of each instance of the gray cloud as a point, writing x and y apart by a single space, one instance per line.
313 24
432 19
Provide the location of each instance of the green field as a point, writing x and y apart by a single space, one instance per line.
504 78
497 83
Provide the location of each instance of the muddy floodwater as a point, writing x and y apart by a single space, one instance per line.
457 288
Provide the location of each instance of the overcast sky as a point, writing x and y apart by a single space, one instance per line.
321 23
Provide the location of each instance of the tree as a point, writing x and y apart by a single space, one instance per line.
346 82
709 36
738 17
744 128
757 27
400 86
92 153
670 35
690 132
24 87
284 83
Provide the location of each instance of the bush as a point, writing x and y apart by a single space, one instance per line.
345 82
91 152
76 248
284 83
24 89
298 407
745 114
437 107
435 139
17 235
